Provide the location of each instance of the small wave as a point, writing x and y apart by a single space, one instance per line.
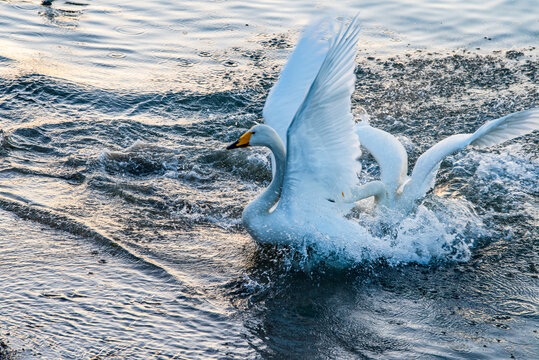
65 223
131 30
4 59
251 165
520 307
29 139
74 178
140 159
47 94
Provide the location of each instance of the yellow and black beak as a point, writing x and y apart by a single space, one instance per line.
243 141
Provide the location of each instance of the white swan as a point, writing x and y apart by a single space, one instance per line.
310 132
315 145
401 191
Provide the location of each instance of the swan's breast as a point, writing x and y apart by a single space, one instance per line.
298 227
268 228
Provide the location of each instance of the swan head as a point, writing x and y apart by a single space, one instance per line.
258 135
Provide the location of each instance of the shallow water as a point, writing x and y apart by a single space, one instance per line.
120 209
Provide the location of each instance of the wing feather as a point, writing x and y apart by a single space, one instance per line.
322 147
492 133
301 68
506 128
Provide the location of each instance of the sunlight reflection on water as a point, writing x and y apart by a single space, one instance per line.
120 210
74 40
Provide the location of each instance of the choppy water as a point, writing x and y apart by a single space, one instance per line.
120 209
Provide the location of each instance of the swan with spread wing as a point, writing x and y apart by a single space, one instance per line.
315 144
401 191
310 132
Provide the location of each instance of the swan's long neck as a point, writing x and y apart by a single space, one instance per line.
262 205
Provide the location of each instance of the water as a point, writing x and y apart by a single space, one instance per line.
120 209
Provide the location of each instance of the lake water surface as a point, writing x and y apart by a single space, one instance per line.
120 210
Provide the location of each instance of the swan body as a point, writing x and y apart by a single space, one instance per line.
315 144
270 218
310 132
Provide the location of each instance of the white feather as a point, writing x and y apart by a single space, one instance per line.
388 153
322 147
296 77
492 133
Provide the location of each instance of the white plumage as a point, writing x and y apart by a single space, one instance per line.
403 191
315 145
322 147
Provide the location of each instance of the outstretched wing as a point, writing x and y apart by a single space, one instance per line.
322 150
492 133
388 153
286 95
506 128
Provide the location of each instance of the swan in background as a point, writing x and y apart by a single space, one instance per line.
400 190
315 144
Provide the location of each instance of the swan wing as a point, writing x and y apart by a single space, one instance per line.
388 153
492 133
296 77
322 149
506 128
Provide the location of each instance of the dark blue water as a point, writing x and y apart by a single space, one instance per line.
120 210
